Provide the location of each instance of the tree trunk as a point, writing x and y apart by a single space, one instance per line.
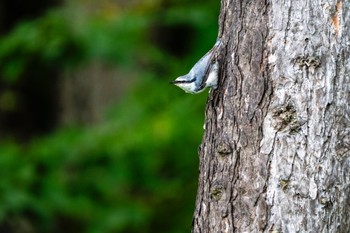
275 152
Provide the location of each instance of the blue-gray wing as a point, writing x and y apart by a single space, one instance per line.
202 68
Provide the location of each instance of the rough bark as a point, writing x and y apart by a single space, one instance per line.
275 152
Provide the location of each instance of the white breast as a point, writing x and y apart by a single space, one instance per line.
212 80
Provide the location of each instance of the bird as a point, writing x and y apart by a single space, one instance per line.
204 74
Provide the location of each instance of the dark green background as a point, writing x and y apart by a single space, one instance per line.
136 169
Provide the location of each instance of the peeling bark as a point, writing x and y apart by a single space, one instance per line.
276 150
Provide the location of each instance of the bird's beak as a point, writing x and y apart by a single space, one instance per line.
173 82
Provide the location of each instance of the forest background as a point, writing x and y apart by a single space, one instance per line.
93 138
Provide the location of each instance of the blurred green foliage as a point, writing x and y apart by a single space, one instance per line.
137 170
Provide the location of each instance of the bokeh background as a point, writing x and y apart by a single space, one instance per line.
93 138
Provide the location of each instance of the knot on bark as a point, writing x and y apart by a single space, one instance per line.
216 192
223 149
326 198
308 61
285 118
326 202
283 183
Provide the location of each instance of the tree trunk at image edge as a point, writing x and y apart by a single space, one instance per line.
276 147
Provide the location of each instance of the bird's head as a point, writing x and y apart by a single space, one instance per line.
186 83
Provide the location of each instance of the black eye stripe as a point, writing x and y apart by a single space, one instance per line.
185 81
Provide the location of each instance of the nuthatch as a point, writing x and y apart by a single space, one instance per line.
203 74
